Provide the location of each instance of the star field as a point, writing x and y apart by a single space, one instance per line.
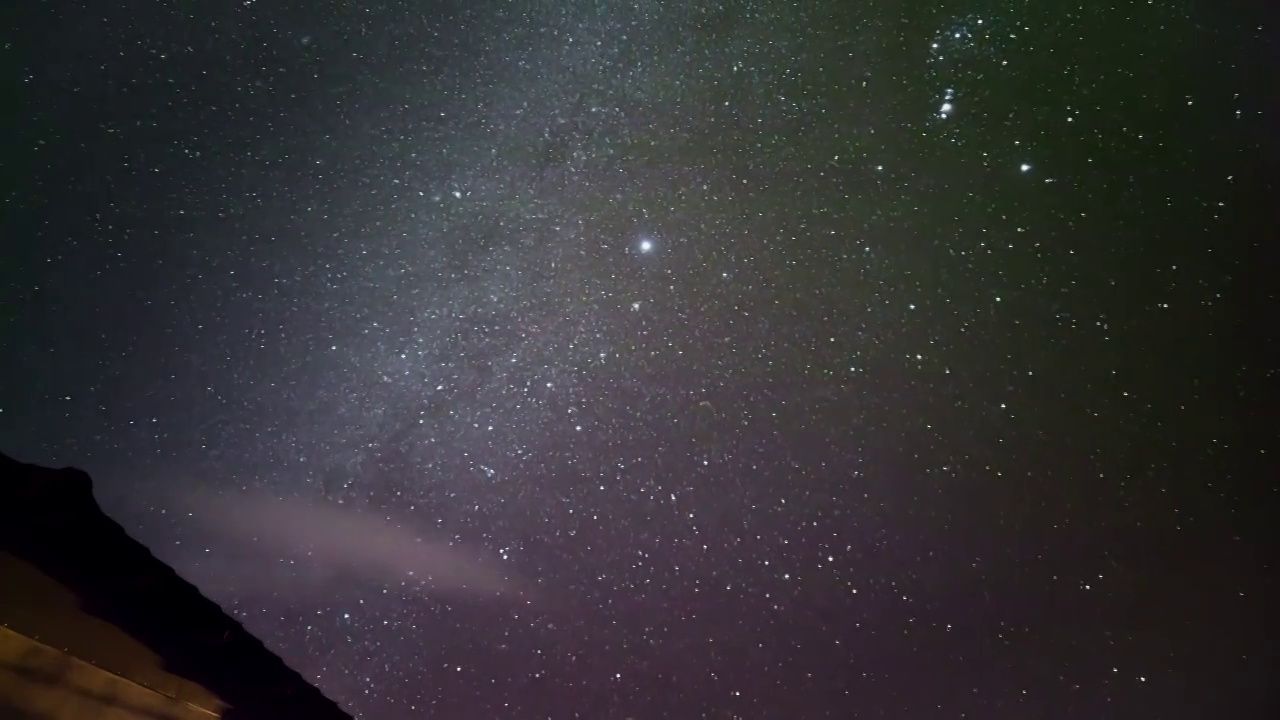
657 360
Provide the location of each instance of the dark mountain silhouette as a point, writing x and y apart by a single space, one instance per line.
77 588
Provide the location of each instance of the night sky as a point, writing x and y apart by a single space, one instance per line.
596 359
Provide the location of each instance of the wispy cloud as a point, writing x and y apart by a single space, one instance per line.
339 542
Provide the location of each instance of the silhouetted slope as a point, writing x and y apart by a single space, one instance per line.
50 520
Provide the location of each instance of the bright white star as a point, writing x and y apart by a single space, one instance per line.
646 246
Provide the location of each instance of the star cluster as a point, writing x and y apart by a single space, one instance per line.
784 360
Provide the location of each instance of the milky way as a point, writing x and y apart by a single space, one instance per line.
752 359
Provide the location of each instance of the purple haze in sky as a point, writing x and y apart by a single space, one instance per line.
296 542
